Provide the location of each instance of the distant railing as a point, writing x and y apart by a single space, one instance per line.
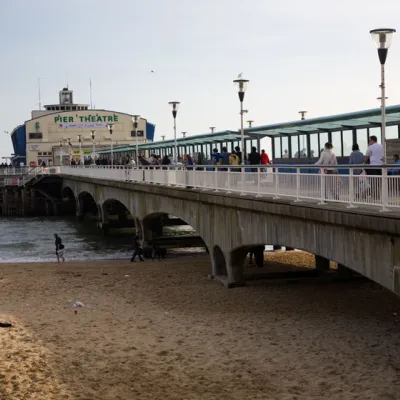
355 185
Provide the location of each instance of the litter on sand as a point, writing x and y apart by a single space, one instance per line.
78 304
5 325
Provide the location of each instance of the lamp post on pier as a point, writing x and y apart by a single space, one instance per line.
241 86
184 134
212 129
110 129
93 136
250 122
382 39
61 153
175 105
135 120
79 137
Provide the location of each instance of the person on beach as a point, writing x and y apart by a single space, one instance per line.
137 249
59 248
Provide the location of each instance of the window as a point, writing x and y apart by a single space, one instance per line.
285 147
362 140
348 141
303 143
294 140
139 134
392 132
314 151
376 132
278 153
36 135
337 143
323 138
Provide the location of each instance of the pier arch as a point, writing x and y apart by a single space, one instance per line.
165 230
86 204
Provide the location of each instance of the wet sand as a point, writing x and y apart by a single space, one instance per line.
166 332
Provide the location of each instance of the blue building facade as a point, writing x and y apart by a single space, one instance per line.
18 138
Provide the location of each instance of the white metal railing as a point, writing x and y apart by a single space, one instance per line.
299 182
14 171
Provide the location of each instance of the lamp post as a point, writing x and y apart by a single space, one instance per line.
184 134
212 129
175 105
135 120
61 155
70 149
79 137
382 39
110 129
250 122
163 137
302 117
93 136
241 86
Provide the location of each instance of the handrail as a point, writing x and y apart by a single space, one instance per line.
321 183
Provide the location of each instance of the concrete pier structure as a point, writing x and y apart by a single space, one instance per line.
366 241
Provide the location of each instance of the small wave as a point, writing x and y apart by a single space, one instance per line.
17 245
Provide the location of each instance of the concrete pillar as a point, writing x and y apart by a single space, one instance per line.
344 272
218 262
151 228
235 266
321 263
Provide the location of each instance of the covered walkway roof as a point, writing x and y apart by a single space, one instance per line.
354 120
207 138
348 121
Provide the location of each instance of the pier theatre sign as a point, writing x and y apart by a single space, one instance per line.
85 121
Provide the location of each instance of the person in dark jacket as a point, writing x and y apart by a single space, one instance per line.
137 249
254 158
59 248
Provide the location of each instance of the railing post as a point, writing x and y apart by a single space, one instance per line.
297 185
258 182
384 188
276 175
322 193
216 179
229 179
351 188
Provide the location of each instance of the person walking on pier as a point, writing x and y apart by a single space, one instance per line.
254 158
59 248
332 183
137 249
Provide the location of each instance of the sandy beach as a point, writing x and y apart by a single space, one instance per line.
161 330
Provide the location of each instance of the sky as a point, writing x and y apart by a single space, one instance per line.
310 54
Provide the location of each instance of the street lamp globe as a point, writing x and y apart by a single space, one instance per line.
241 87
382 39
174 105
92 134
